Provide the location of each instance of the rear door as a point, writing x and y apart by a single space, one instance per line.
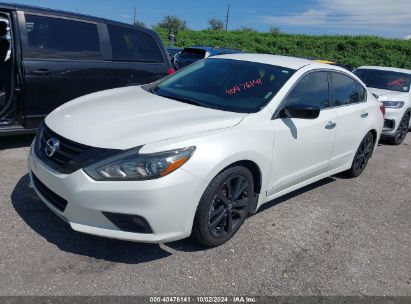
352 109
138 57
63 59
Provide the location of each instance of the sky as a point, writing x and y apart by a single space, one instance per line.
387 18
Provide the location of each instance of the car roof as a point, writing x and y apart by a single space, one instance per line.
41 10
283 61
385 69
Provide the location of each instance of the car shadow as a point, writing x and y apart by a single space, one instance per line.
18 141
295 193
54 230
189 245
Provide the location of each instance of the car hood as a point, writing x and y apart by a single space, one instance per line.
129 117
389 95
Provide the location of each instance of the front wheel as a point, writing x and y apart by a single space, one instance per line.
402 131
362 156
224 206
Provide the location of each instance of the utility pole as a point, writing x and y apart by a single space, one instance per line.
227 16
135 15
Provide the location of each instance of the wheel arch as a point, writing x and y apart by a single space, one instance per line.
375 136
254 169
257 178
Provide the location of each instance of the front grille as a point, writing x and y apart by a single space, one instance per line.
57 201
70 156
68 149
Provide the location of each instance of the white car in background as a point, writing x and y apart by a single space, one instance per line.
392 86
196 152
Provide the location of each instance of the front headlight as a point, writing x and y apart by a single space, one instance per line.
393 104
131 165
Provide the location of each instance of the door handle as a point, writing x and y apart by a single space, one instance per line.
330 125
364 114
41 72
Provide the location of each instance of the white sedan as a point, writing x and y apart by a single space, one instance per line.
196 152
392 87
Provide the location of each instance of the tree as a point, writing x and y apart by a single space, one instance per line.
247 29
139 23
215 25
172 24
274 30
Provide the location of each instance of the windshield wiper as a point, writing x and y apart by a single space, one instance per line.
184 99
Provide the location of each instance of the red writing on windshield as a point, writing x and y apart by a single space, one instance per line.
244 86
397 82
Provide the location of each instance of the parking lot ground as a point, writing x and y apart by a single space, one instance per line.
337 237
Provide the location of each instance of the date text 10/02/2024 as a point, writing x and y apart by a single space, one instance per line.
203 299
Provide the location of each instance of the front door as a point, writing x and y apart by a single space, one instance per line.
302 147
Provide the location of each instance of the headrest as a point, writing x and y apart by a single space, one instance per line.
3 28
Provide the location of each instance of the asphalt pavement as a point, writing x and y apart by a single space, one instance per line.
336 237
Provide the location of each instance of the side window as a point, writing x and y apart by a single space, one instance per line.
311 89
345 89
134 45
56 38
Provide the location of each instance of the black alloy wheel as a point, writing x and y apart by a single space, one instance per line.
362 156
229 207
402 130
224 206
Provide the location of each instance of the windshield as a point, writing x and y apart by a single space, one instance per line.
386 80
224 84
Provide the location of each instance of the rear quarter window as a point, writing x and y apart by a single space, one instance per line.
56 38
193 54
345 89
134 45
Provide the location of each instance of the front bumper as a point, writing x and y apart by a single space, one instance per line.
392 119
167 204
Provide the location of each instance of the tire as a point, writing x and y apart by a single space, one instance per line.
401 132
362 156
224 206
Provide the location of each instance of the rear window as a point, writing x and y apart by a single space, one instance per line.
345 89
386 80
134 45
57 38
193 54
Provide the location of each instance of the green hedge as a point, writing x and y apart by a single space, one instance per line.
351 50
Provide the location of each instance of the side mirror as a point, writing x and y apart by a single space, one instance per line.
302 110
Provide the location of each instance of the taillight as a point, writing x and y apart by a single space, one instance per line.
171 71
382 109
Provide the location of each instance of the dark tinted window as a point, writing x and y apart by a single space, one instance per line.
386 80
230 85
362 93
134 45
56 38
193 54
312 89
345 89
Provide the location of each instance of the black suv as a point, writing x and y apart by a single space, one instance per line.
194 53
49 57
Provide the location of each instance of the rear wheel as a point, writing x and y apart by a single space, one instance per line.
402 131
362 156
223 207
